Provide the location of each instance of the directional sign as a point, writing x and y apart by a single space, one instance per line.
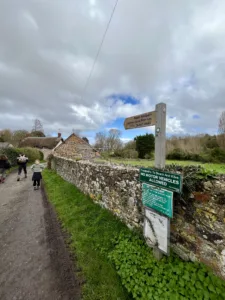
170 181
158 199
157 230
143 120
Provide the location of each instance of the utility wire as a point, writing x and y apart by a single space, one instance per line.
99 50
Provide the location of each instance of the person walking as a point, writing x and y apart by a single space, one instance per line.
4 165
37 168
22 161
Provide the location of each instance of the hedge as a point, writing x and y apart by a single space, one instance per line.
12 154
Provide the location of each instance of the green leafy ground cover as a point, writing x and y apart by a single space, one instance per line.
105 248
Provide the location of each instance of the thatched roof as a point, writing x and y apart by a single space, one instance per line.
41 142
5 145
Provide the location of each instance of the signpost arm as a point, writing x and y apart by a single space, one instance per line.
160 148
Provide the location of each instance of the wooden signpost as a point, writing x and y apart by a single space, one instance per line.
158 186
143 120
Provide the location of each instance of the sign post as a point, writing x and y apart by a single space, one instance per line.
158 186
160 149
143 120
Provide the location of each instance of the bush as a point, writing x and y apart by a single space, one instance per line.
149 156
12 154
215 155
125 153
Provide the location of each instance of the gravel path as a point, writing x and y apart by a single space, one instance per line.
34 261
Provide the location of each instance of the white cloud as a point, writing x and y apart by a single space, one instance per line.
170 51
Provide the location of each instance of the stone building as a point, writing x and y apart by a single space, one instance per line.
76 148
45 144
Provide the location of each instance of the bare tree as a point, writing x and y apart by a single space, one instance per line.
108 141
113 140
100 141
221 131
38 127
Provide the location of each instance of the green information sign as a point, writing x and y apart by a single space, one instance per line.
170 181
158 199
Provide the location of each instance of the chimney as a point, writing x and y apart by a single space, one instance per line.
59 135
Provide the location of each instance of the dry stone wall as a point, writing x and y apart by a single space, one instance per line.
198 226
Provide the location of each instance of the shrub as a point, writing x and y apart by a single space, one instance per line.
12 154
149 156
177 154
41 155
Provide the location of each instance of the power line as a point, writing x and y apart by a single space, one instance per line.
99 50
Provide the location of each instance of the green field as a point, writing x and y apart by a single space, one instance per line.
219 168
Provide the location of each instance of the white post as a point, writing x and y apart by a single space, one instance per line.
160 148
160 136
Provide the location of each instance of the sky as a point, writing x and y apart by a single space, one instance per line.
154 51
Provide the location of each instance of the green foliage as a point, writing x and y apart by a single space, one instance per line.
91 229
209 155
171 278
125 153
179 154
150 155
12 154
145 144
37 134
214 155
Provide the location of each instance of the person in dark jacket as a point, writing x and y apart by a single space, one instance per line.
22 161
4 165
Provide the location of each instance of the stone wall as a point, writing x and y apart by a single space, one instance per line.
198 226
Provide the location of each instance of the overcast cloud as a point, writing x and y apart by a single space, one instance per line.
170 51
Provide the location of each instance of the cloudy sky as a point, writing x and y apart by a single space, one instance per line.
155 51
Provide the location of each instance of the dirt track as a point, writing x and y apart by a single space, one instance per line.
34 261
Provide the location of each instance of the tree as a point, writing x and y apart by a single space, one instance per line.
37 134
6 135
38 127
221 131
108 141
19 135
130 145
100 141
145 144
113 140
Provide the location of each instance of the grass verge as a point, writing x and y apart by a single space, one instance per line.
219 168
99 239
91 229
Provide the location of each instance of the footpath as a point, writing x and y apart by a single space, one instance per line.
34 261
